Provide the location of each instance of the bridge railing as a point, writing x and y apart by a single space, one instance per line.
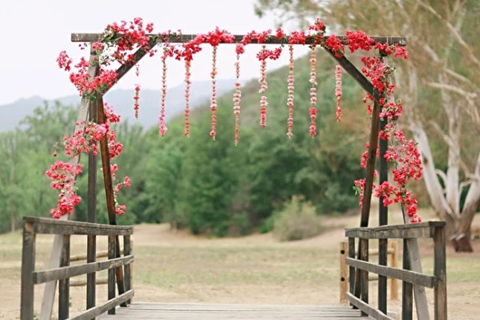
31 277
358 295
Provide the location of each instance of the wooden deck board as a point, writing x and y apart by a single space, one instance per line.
180 311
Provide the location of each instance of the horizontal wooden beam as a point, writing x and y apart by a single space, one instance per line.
64 227
404 275
82 283
376 314
72 271
402 231
100 254
96 311
93 37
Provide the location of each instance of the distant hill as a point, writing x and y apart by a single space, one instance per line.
122 102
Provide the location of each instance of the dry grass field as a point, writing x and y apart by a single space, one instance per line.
178 267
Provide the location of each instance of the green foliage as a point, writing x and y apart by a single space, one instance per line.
296 222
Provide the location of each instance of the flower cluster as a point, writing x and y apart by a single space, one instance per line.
62 174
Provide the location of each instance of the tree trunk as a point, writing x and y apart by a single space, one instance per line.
13 222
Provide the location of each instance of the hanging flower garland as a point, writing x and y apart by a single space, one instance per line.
313 91
162 128
338 92
237 96
290 98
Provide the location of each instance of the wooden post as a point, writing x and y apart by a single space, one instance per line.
440 273
111 272
382 221
128 275
50 287
351 271
393 264
364 275
407 288
28 267
64 285
343 272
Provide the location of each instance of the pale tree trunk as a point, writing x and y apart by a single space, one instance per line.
13 221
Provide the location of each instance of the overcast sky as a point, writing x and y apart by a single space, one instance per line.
34 32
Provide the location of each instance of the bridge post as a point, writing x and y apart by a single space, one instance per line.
28 267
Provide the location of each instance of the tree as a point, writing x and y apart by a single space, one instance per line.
439 85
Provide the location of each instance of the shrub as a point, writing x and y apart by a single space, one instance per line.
297 221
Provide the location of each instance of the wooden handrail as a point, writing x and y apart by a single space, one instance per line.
411 279
31 277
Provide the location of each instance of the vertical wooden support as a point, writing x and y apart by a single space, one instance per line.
50 287
343 272
382 220
107 177
92 207
127 250
407 288
351 270
111 272
28 267
393 264
64 285
364 276
440 273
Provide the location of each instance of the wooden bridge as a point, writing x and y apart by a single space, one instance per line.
120 278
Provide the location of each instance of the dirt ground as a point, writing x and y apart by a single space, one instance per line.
178 267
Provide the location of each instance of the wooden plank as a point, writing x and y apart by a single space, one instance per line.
128 275
407 288
111 272
82 283
343 272
92 217
96 311
351 269
364 274
393 264
404 275
402 231
72 271
83 257
93 37
64 285
28 267
416 265
440 272
62 227
50 288
367 309
382 221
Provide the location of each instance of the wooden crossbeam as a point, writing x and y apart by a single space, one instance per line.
181 38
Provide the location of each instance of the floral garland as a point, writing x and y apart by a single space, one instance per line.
120 40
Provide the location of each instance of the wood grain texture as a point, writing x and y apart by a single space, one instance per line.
96 311
179 311
402 231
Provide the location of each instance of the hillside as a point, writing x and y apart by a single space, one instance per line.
122 101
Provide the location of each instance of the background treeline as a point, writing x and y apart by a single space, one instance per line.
207 186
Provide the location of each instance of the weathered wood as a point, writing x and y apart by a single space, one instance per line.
393 264
93 37
128 275
110 197
402 231
177 311
416 265
351 269
92 216
343 272
407 288
111 272
72 271
83 257
62 227
28 268
82 283
382 221
367 309
440 272
363 272
64 285
96 311
404 275
50 288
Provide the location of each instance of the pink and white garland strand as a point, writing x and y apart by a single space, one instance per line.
263 87
162 128
213 100
237 96
313 92
338 92
187 97
136 105
290 97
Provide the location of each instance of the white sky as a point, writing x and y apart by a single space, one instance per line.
34 32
